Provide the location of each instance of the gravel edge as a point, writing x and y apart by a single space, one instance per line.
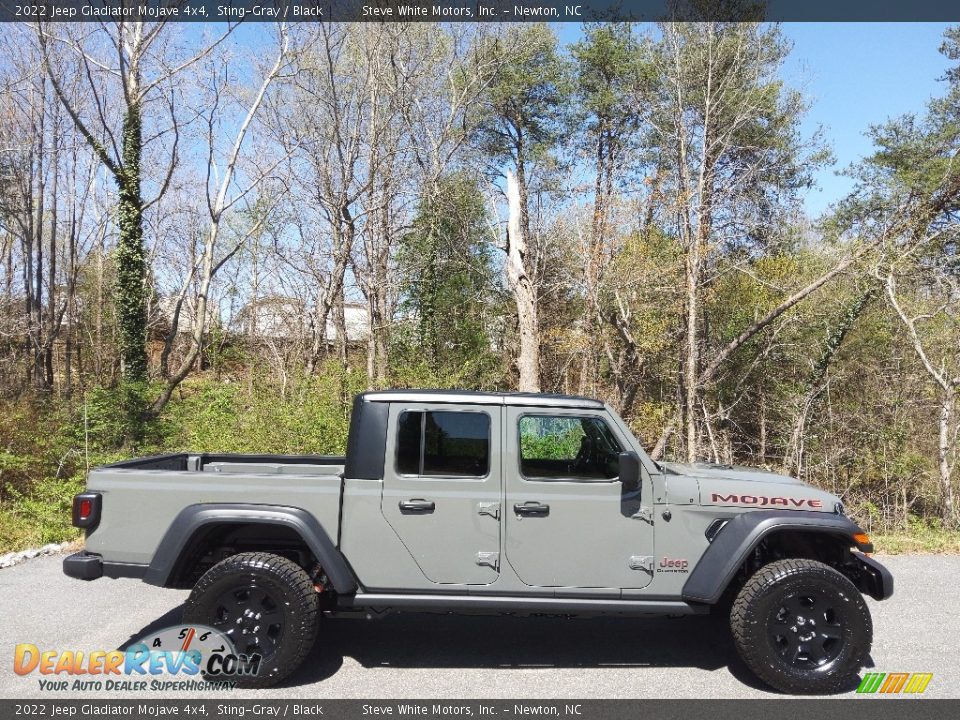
15 558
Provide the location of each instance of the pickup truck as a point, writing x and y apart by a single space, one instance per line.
504 503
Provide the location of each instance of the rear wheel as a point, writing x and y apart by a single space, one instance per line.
802 627
265 604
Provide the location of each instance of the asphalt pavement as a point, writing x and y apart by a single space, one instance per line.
444 656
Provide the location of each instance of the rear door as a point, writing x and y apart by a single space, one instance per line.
442 486
569 522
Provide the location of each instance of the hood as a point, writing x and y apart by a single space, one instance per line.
737 486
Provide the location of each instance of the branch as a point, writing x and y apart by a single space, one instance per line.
911 324
711 370
95 144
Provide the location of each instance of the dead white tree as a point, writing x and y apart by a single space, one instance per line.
524 294
221 197
934 334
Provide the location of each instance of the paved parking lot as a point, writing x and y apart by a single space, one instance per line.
433 656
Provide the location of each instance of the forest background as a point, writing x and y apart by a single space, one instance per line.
211 237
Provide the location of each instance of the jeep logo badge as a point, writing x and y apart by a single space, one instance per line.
673 565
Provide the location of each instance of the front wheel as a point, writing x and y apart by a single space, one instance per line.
265 604
802 627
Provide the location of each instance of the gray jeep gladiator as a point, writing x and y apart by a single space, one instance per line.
504 503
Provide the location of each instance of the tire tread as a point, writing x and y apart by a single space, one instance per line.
306 606
741 624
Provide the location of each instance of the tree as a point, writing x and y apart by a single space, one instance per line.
933 329
221 197
522 120
611 76
321 125
730 155
425 82
449 295
911 189
130 67
45 190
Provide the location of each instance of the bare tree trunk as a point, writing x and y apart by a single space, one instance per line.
691 358
528 360
218 205
340 328
588 371
52 320
71 303
98 311
762 450
944 452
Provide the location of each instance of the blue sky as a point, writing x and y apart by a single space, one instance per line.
858 74
854 75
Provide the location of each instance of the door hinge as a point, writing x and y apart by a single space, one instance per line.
490 559
644 513
642 562
492 509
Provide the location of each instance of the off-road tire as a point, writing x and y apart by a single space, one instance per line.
802 627
272 585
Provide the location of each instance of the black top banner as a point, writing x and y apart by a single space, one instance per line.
576 11
201 708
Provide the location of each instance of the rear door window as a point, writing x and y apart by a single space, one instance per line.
443 444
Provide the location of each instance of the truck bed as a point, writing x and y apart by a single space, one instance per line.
230 462
143 496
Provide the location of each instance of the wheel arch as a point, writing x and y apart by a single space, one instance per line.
801 534
197 522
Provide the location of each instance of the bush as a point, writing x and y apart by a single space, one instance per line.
41 515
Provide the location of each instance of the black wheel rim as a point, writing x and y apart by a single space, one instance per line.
806 629
252 617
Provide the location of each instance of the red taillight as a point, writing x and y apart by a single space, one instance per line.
86 509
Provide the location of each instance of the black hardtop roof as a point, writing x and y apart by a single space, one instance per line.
473 397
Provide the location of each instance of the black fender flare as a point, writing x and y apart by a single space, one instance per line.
718 565
194 517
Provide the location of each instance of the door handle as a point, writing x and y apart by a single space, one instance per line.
417 506
531 508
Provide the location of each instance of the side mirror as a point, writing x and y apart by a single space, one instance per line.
630 471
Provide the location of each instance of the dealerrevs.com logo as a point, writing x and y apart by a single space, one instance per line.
894 683
182 657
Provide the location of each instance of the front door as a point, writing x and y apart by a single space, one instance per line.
569 523
441 489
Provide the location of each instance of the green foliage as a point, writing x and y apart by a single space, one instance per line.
743 136
550 438
112 418
40 516
47 446
698 129
612 74
309 417
450 297
919 536
527 104
130 291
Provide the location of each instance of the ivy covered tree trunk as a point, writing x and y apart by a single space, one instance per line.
130 290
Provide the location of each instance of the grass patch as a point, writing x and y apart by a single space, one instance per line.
918 539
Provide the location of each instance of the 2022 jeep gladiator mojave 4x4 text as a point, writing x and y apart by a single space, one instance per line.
493 503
